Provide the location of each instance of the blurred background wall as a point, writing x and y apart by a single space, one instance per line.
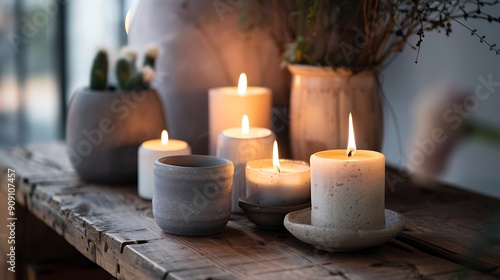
46 50
460 60
47 46
30 70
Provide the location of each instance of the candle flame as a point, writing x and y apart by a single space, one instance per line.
127 22
245 125
242 84
351 143
164 137
276 159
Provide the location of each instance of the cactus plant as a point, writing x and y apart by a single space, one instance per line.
128 77
150 58
99 72
132 55
126 51
141 79
124 71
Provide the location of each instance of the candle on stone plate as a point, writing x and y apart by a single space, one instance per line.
275 182
347 187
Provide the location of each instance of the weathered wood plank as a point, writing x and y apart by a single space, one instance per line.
460 226
158 258
57 219
240 244
114 228
382 262
200 273
98 220
39 164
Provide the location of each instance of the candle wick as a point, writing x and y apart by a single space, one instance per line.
349 154
277 167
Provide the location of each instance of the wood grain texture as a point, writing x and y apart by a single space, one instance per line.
450 233
454 224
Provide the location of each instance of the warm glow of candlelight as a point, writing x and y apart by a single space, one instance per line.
351 143
245 125
276 158
242 84
127 22
164 137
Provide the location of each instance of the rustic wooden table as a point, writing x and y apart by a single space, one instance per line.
449 234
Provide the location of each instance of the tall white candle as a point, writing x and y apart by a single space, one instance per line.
240 145
149 152
274 182
226 105
347 188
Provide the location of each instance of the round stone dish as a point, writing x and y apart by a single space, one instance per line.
298 223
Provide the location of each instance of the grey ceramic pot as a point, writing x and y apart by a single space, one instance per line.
192 194
104 130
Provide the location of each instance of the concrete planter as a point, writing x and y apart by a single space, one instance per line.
104 130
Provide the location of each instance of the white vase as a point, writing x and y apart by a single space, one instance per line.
320 102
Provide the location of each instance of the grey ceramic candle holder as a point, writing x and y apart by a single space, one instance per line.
192 194
268 217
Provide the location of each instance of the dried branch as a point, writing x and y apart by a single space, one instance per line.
365 35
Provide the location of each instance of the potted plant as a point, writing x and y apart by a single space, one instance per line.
335 51
107 124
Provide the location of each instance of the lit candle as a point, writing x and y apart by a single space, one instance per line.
226 105
275 182
240 145
347 187
152 150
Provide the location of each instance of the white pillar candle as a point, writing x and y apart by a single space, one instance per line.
347 188
240 145
347 192
226 105
149 152
270 185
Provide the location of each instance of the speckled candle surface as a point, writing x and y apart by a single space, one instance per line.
268 187
348 192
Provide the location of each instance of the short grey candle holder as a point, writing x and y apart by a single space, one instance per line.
192 194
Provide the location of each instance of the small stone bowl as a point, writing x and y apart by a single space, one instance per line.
268 217
192 194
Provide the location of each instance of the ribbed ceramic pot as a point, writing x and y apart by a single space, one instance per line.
192 194
104 130
320 102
